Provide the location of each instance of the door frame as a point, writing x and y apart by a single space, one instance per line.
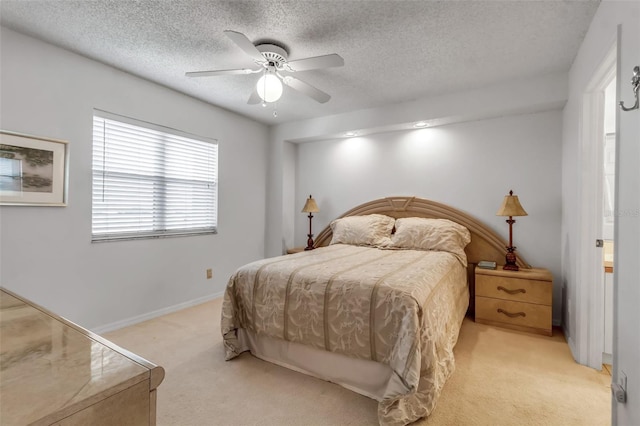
590 289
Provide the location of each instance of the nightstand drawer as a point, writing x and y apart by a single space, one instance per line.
515 289
514 313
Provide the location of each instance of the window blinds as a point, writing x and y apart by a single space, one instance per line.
150 181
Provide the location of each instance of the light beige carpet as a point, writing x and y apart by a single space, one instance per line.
502 377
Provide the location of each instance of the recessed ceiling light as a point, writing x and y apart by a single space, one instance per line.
351 134
421 124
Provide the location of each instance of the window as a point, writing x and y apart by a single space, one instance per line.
151 181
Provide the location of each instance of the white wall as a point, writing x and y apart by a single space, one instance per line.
470 166
46 254
290 210
537 94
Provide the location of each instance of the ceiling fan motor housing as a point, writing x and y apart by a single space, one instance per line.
275 55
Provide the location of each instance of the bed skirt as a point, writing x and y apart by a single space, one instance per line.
366 377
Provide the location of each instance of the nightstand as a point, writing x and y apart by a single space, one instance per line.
520 300
295 250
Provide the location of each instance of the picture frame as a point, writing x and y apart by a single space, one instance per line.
33 170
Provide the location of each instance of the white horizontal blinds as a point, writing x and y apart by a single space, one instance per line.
148 182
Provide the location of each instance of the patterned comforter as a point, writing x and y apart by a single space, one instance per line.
402 308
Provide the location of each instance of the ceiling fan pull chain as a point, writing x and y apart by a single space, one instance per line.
264 88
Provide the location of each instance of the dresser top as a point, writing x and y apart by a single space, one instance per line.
49 367
526 274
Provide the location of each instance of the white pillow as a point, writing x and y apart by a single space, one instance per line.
417 233
368 230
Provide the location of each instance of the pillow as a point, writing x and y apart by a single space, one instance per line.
368 230
417 233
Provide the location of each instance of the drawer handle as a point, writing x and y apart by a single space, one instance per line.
506 290
510 315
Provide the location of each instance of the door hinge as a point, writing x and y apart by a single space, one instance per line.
599 243
619 390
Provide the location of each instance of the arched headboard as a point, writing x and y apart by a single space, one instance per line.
485 244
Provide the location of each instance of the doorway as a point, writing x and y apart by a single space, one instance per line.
608 203
591 291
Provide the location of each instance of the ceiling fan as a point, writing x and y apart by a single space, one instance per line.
272 61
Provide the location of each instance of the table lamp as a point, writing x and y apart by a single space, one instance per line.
310 207
511 207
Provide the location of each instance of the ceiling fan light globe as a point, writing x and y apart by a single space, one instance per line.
269 88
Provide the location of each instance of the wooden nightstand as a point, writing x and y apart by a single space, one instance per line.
295 250
519 300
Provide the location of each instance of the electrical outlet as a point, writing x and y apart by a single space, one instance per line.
209 273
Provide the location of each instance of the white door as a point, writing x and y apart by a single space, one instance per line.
626 327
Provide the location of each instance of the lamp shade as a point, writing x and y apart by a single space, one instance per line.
269 88
511 206
310 206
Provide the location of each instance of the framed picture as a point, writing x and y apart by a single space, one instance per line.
33 170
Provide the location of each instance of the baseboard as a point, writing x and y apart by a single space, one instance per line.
607 358
572 346
153 314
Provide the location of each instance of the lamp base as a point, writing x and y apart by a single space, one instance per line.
309 242
510 260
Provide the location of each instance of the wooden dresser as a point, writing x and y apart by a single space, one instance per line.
519 300
54 372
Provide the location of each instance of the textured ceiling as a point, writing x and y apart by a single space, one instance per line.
394 51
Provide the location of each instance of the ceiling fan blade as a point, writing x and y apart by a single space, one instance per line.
307 89
254 98
245 44
220 72
325 61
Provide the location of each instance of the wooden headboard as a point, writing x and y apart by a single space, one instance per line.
485 244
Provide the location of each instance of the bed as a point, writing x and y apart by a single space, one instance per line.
376 307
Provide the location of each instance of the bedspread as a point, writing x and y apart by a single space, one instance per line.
402 308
